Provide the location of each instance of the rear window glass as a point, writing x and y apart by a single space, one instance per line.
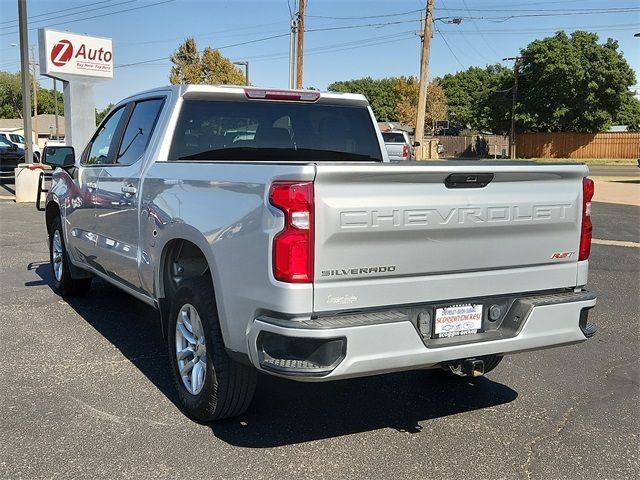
392 137
271 131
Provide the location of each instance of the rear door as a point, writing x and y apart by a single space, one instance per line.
117 211
407 234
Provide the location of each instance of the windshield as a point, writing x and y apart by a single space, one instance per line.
4 142
264 130
393 137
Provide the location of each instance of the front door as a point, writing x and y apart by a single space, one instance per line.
119 183
80 213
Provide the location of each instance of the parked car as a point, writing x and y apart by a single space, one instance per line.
10 156
301 252
398 146
19 140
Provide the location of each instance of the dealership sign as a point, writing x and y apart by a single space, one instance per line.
64 54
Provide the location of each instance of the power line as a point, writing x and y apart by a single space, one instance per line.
337 47
530 15
369 16
95 16
217 48
313 51
346 27
31 17
475 25
547 10
46 21
449 46
610 27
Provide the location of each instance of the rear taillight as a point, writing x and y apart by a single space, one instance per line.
587 228
293 246
405 151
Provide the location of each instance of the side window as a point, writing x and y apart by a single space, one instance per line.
139 129
102 142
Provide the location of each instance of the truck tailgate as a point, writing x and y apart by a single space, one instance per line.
399 234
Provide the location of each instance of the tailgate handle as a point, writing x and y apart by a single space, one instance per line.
468 180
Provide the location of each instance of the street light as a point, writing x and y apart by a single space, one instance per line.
246 69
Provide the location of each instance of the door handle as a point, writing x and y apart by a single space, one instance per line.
129 190
92 185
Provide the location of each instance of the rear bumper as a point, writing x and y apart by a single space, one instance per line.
380 342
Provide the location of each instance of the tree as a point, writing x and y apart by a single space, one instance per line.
187 64
212 68
629 113
218 69
381 93
407 89
46 101
100 114
479 98
10 95
572 83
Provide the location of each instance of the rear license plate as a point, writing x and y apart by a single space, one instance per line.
456 320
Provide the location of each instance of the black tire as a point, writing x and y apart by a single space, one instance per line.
228 385
65 285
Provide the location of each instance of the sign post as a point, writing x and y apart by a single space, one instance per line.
79 61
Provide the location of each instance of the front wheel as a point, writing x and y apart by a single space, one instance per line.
63 284
211 386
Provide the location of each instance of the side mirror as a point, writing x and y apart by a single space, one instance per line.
59 157
13 147
416 144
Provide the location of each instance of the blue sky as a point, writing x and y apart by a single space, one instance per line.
341 47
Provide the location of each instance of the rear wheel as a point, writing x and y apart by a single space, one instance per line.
63 284
211 386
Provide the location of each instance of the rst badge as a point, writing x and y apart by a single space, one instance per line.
559 255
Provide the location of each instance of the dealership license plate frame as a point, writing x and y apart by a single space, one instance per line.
445 315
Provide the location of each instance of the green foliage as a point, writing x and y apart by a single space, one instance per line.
572 83
11 97
406 108
381 93
629 113
479 98
100 114
46 101
211 68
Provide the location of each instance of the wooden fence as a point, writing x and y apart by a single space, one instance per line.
578 145
475 146
546 145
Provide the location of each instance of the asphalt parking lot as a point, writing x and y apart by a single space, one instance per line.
86 393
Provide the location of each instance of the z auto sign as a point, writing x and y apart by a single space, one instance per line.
65 54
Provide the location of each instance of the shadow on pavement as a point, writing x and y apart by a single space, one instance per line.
284 412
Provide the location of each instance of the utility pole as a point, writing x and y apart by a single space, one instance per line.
514 96
24 73
55 107
300 51
292 52
35 94
424 81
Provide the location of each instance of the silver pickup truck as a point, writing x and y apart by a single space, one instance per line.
272 234
398 146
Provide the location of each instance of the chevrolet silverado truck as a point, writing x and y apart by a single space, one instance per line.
272 234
